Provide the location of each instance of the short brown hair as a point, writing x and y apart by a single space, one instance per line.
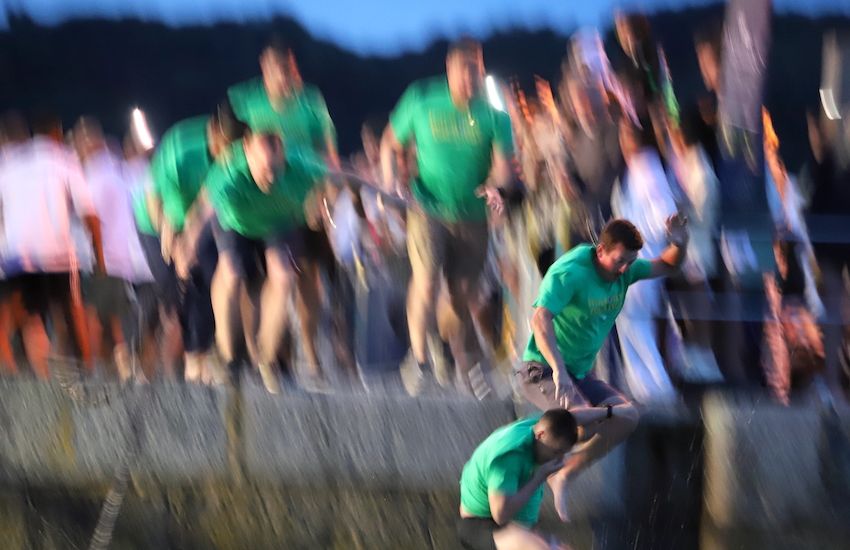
620 231
561 424
464 46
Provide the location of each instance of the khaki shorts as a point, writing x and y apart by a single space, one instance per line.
458 250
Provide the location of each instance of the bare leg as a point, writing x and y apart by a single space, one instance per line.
225 291
308 305
273 315
77 318
600 439
516 537
7 358
36 345
420 312
173 342
422 243
250 309
453 321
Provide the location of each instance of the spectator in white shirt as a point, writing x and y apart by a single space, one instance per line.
46 205
107 297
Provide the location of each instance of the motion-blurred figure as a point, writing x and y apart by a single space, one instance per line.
107 296
51 231
463 152
176 230
263 195
643 197
281 102
578 303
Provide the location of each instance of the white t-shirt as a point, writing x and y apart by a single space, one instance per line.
43 198
112 192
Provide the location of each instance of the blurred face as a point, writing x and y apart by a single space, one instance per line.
264 153
370 144
677 140
614 262
88 138
629 140
548 448
274 65
624 34
579 99
709 66
465 72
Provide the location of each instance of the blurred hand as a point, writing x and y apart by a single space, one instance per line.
183 261
493 198
565 391
166 241
677 230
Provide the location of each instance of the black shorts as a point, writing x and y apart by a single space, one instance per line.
108 295
39 291
536 385
477 533
164 276
249 254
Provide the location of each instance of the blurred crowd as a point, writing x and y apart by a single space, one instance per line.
241 244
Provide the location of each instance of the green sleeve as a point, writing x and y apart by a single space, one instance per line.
639 270
216 186
401 119
167 186
325 125
236 94
556 291
503 475
502 134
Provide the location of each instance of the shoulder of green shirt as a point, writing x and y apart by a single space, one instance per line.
230 164
189 129
641 269
238 92
307 162
312 93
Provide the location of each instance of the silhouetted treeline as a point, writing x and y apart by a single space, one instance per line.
104 67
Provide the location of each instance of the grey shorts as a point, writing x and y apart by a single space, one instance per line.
534 381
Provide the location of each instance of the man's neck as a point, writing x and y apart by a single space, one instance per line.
458 100
599 271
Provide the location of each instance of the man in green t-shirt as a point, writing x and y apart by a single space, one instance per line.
281 102
501 487
261 193
463 150
579 300
177 240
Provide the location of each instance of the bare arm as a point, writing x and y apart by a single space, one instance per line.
503 507
544 335
672 257
93 225
500 171
393 162
590 415
331 151
668 262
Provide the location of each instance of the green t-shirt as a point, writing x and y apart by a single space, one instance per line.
242 207
178 169
503 463
584 306
302 119
453 147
